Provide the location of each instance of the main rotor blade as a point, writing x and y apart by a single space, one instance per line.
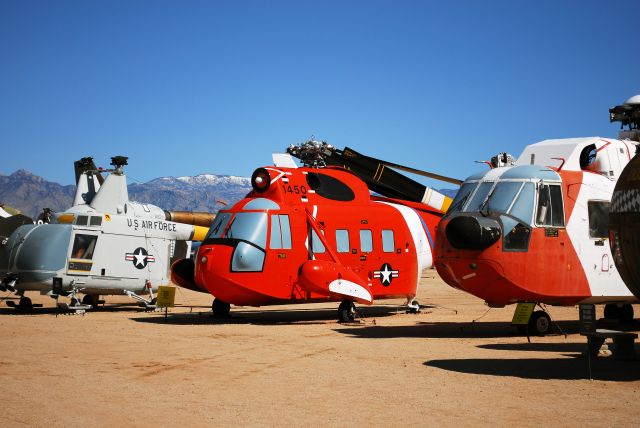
411 170
423 173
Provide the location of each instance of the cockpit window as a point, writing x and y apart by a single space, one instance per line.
550 210
502 196
250 227
219 225
478 198
523 207
83 246
462 196
280 232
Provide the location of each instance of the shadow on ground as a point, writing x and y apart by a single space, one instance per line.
268 316
440 330
53 310
605 369
561 347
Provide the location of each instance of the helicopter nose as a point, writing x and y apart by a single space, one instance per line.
472 233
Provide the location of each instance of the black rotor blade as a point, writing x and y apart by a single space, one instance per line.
384 181
409 169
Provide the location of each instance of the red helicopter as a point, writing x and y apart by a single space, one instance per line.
316 234
535 229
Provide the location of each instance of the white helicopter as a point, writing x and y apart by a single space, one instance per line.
103 245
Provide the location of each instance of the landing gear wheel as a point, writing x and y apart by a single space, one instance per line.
413 307
89 299
626 312
25 304
540 323
347 311
612 311
220 309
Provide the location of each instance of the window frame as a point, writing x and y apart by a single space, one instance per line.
548 185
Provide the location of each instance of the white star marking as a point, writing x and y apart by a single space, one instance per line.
140 258
386 274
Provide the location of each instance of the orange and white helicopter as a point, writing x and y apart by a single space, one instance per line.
535 229
315 233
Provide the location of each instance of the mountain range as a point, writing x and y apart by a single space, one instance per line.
205 192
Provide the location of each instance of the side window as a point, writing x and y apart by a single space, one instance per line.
557 207
598 219
316 243
275 241
342 240
550 211
83 246
388 244
366 241
280 232
285 228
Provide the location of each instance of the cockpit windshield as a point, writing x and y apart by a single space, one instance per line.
219 225
516 198
251 227
462 196
502 196
479 197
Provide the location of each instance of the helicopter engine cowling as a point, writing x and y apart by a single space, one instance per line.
333 279
466 232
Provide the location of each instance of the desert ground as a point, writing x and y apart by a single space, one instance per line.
454 364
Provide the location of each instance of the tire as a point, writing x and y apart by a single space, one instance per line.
540 323
220 309
346 311
626 313
612 311
89 299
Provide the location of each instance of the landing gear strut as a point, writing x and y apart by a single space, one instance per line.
220 309
347 311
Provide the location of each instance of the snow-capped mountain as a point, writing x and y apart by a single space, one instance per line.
205 192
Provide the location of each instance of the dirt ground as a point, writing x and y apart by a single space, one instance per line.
296 365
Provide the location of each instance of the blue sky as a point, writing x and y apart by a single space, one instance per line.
188 87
